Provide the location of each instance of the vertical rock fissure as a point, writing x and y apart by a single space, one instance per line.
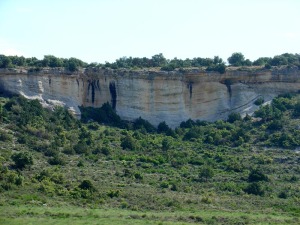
191 89
228 85
113 94
91 87
93 91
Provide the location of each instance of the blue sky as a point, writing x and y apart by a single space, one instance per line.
104 30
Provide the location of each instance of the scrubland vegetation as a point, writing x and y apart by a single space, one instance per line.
55 169
237 59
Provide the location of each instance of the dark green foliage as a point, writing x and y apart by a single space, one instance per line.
262 61
4 136
268 113
52 61
5 61
283 194
105 115
187 124
168 67
210 64
257 175
87 185
82 148
143 124
206 173
268 66
232 117
162 127
276 125
296 112
22 160
57 160
128 143
255 189
238 59
193 133
165 144
221 68
259 101
114 193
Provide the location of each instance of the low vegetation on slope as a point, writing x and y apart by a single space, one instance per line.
240 171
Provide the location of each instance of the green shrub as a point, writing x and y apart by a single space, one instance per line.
206 173
256 175
22 160
4 136
259 101
143 124
255 189
57 160
87 185
283 194
232 117
128 143
164 184
165 144
163 127
114 193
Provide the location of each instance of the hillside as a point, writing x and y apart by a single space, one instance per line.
59 170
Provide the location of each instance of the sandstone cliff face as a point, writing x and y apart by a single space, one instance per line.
155 96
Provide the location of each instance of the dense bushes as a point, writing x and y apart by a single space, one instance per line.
22 160
158 60
142 166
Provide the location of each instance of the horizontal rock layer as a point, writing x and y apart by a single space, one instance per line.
154 95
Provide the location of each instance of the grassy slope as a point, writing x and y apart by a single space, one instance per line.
147 184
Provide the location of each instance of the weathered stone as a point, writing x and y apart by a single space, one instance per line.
154 95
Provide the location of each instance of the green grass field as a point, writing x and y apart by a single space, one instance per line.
28 214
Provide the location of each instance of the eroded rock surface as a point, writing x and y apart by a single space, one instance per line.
154 95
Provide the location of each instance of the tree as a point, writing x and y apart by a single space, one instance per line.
52 61
262 61
128 143
159 60
5 62
236 59
218 60
279 60
206 173
87 185
22 160
163 127
232 117
256 175
255 189
165 144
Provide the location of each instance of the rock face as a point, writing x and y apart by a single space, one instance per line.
154 95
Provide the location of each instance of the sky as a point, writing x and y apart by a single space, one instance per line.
105 30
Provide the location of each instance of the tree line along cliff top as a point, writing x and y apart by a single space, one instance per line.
157 62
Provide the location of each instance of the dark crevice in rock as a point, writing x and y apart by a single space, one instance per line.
113 94
190 87
93 91
228 84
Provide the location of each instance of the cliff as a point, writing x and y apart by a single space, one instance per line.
151 94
